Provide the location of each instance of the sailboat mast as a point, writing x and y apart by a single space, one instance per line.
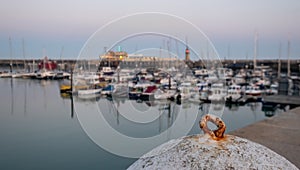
10 55
288 56
255 50
168 46
177 53
23 47
60 57
159 59
279 62
44 61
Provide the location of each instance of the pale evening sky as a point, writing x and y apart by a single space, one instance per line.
49 25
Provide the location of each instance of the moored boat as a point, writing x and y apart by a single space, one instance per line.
253 90
164 94
218 92
61 75
148 94
135 91
88 91
6 75
108 90
44 74
233 93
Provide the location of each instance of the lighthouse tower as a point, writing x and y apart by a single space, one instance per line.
187 54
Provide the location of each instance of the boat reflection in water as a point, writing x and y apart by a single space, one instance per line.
46 125
122 113
134 119
270 109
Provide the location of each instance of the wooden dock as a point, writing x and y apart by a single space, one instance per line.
280 133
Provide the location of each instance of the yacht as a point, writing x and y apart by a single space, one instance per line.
203 90
212 77
272 90
45 74
120 90
240 77
89 91
61 75
164 94
107 71
186 89
148 94
184 94
90 80
234 93
218 92
136 90
17 75
30 75
5 75
202 86
108 90
201 73
253 90
165 82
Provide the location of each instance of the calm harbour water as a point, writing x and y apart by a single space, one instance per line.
39 131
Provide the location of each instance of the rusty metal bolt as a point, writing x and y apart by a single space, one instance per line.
216 134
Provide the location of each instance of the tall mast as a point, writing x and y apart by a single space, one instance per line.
159 59
255 50
288 56
10 54
169 54
44 60
177 51
23 47
279 62
60 57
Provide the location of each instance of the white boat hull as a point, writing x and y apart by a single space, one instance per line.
89 91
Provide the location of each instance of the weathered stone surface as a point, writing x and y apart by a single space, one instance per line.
202 152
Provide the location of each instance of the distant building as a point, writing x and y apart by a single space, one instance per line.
124 60
140 61
112 58
47 64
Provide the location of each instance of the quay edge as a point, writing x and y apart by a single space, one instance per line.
280 133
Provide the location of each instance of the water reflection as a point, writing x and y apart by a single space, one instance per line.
12 95
25 95
118 113
25 99
30 131
254 108
169 110
241 115
269 108
39 123
232 106
162 107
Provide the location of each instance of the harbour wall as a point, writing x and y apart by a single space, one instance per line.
235 64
